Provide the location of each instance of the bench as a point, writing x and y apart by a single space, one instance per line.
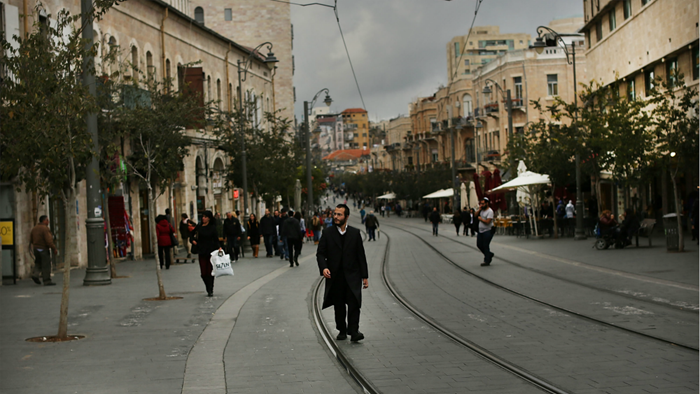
646 228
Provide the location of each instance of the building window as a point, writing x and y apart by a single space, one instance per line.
630 90
519 130
611 19
696 63
435 157
466 62
648 82
671 70
150 68
467 72
228 14
456 49
199 15
467 104
599 31
552 85
627 7
645 2
518 82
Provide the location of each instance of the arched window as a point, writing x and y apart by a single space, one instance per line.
218 92
208 88
467 105
150 68
134 61
168 80
112 56
199 15
230 97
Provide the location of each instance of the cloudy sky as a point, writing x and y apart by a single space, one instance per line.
397 46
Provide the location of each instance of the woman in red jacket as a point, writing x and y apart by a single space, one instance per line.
164 229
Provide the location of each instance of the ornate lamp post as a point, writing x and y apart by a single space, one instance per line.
243 67
307 137
547 37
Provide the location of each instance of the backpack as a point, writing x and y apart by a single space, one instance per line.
315 222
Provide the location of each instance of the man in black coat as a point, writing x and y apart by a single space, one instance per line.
435 219
291 231
268 231
342 261
232 233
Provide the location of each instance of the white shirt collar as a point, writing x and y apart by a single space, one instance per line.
340 230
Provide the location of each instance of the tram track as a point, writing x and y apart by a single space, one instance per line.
525 296
486 355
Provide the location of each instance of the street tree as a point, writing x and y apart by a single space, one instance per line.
153 118
45 143
674 122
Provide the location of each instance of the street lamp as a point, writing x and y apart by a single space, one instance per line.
270 60
547 37
309 183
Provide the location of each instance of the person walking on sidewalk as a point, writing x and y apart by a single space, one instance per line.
435 219
40 241
163 231
457 220
253 231
291 231
341 260
483 239
232 234
316 227
473 224
206 239
185 234
267 229
371 224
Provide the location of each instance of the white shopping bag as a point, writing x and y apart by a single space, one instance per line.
221 264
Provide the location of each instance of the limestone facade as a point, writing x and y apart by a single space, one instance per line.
135 28
356 129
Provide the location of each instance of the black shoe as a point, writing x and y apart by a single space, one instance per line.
291 265
36 280
49 283
341 337
210 294
492 254
357 337
485 264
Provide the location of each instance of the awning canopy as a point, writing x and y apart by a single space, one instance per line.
444 193
388 196
527 178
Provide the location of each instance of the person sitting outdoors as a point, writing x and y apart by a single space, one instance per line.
606 222
630 225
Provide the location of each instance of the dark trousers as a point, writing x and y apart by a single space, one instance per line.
371 233
342 295
268 244
185 242
205 269
164 250
232 248
483 242
457 225
285 247
42 265
435 228
275 244
294 250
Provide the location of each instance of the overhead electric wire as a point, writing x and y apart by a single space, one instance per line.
337 18
464 45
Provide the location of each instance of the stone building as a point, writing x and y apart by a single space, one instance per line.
484 44
356 126
160 39
251 23
630 43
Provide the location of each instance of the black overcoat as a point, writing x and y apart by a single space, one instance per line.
354 262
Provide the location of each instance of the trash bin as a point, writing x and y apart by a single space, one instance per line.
671 231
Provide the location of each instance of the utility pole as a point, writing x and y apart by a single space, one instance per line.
97 272
309 180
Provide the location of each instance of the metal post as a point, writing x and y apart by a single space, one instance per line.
580 234
309 181
97 272
454 171
241 125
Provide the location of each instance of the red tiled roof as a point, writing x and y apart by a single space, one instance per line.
350 110
347 154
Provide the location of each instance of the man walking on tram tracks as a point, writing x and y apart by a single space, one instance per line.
342 261
483 239
435 219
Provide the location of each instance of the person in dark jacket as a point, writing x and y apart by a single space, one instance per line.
628 227
457 220
185 234
371 224
284 247
267 229
341 260
435 219
253 231
232 234
291 231
163 231
473 223
277 221
206 238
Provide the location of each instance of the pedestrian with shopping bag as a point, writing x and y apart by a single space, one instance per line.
206 240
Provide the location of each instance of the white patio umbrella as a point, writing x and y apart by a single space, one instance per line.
526 183
463 195
473 197
444 193
388 196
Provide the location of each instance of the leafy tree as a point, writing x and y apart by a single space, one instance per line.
44 140
674 121
153 118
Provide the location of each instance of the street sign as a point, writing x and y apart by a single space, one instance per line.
7 233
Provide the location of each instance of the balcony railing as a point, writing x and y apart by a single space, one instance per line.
491 108
516 102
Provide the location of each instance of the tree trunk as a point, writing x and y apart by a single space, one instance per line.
110 243
677 206
63 315
154 241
